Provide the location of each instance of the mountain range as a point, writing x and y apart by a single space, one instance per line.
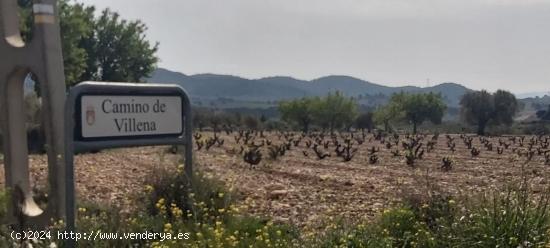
205 87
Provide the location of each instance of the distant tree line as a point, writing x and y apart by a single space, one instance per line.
219 120
336 111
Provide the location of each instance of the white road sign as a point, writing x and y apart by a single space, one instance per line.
111 116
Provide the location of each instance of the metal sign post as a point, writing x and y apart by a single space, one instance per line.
42 57
111 115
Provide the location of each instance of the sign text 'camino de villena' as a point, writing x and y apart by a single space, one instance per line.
110 115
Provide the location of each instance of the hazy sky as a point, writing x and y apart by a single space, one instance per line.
486 44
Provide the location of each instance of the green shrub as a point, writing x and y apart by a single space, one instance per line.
510 218
405 229
204 208
513 218
175 196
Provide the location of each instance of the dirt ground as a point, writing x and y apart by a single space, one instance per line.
303 190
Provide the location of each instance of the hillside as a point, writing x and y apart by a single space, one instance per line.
209 87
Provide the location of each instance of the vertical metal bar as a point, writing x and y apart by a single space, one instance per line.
16 151
52 82
12 121
188 138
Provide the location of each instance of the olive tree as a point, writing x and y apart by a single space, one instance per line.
418 108
387 113
300 111
413 108
330 112
481 108
335 111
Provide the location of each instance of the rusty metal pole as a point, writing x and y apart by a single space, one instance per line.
41 56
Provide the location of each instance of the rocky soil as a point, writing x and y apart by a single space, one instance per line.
302 189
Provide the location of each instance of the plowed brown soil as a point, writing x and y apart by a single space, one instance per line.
307 189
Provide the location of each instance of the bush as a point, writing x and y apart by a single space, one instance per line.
509 218
513 218
405 229
204 208
196 197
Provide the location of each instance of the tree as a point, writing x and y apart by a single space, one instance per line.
477 108
300 111
385 114
76 25
106 48
414 108
506 106
418 108
365 121
481 107
118 50
332 111
335 110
